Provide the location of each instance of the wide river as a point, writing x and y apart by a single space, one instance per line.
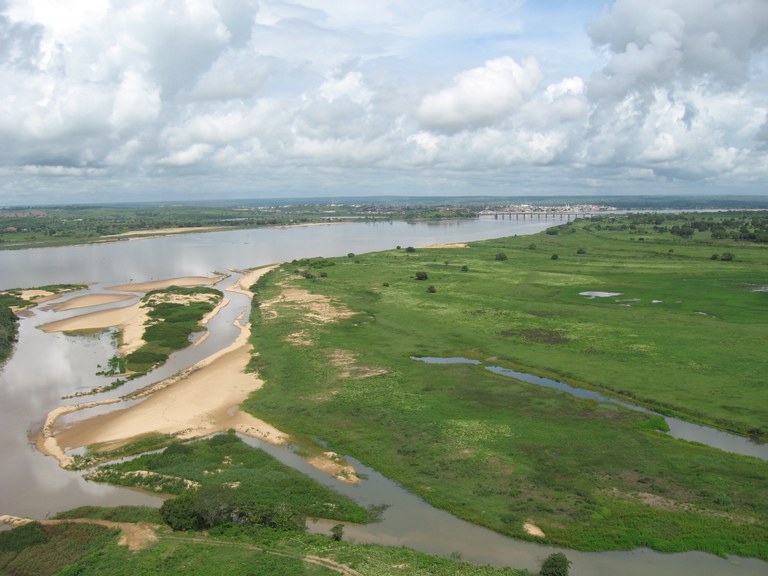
46 366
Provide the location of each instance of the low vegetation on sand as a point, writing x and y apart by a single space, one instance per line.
174 314
222 478
684 335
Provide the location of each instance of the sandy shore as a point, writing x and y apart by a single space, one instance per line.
166 231
200 401
90 300
457 245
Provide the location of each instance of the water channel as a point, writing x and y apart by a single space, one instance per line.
47 366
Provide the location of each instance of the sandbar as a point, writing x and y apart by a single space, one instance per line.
185 281
130 320
199 401
90 300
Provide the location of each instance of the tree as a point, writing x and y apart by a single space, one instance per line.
421 276
337 532
555 565
410 249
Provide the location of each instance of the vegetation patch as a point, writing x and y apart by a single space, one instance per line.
502 453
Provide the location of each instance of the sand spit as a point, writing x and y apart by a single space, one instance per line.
184 281
90 300
533 530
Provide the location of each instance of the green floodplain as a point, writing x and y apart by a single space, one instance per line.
684 337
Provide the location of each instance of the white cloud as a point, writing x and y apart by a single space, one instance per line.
481 96
434 94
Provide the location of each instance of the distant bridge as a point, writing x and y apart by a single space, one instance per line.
526 215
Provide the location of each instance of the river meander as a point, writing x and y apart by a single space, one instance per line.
46 366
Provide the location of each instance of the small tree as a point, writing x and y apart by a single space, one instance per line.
501 256
555 565
410 249
421 276
337 532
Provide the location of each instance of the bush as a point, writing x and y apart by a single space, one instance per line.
531 246
431 289
554 257
582 251
410 249
421 276
465 268
555 565
715 257
726 257
501 256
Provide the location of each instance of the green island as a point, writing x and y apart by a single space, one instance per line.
685 336
20 299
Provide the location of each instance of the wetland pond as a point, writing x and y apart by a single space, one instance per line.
47 366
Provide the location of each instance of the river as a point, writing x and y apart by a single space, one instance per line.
46 366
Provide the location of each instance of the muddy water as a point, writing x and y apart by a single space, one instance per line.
409 521
45 367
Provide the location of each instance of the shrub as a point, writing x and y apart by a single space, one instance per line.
421 276
410 249
582 251
431 289
501 256
555 565
554 257
715 257
726 257
465 268
351 255
531 246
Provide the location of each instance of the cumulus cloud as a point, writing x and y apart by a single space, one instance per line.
436 94
481 96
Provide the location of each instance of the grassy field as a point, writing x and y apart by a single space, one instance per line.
81 549
685 336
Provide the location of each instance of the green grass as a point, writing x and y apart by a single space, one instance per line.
77 549
35 550
499 452
170 325
224 460
134 514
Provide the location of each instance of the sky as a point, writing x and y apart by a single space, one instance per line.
141 100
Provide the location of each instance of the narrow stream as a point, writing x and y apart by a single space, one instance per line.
677 428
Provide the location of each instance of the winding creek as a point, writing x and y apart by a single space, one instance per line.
46 366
